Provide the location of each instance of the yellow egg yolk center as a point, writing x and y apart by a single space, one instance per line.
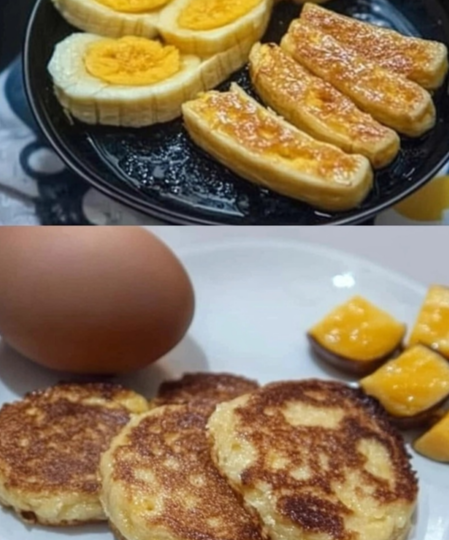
133 6
212 14
132 61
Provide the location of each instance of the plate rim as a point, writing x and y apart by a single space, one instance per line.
201 245
151 209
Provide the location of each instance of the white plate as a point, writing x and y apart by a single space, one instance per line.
255 301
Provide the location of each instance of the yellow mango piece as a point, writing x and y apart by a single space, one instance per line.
427 204
213 14
360 331
132 61
410 384
434 444
432 325
133 6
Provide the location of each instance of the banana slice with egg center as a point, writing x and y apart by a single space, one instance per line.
132 81
133 6
113 18
206 27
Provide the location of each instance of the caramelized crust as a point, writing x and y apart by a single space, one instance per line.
314 105
263 133
51 445
204 390
422 61
265 149
158 476
390 98
316 458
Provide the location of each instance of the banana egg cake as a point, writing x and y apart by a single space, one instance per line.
50 447
203 390
317 460
159 482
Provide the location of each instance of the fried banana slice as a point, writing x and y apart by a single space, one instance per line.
420 60
317 107
390 98
263 148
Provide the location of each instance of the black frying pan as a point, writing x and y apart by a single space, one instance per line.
160 172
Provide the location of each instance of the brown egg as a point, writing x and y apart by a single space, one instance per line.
91 300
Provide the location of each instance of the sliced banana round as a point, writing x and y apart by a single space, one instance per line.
113 18
132 81
206 27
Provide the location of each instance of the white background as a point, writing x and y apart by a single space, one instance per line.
421 253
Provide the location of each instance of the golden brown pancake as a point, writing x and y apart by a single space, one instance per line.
50 448
204 390
159 482
316 459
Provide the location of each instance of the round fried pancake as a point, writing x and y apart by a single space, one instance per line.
316 460
50 448
204 390
159 482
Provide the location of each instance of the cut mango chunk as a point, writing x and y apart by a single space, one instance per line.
434 444
414 382
432 325
359 331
